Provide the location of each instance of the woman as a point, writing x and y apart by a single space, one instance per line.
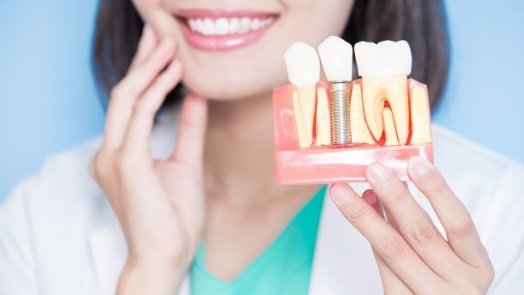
202 213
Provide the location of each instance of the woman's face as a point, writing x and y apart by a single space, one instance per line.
233 49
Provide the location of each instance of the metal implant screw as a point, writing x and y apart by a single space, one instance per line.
339 105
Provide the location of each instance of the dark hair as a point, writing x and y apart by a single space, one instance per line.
420 22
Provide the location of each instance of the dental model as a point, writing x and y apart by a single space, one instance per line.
347 114
384 116
420 117
323 121
337 59
359 130
384 68
304 72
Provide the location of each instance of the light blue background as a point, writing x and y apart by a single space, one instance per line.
48 100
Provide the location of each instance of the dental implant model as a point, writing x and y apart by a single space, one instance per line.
331 132
337 59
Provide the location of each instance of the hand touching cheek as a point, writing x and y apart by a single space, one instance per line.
159 203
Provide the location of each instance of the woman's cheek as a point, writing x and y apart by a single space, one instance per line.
142 5
145 7
157 16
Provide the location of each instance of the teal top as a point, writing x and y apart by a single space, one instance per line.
284 267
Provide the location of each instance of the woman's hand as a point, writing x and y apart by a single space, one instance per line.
412 255
159 203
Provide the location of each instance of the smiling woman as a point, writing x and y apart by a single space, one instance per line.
119 26
185 200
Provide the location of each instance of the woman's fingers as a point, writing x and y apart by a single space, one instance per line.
144 73
127 91
412 221
386 241
390 281
460 229
141 124
191 132
147 44
411 254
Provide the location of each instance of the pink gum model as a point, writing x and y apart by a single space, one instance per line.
321 165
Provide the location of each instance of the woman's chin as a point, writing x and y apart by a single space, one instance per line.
227 90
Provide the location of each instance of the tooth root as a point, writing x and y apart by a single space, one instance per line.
420 117
389 128
397 96
359 130
323 125
301 133
306 96
374 99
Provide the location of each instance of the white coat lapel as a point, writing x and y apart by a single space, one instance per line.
344 262
109 251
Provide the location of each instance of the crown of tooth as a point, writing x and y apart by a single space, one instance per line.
234 26
337 59
199 25
222 26
384 60
245 25
192 23
303 64
255 24
208 27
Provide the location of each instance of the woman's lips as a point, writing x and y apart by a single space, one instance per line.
222 30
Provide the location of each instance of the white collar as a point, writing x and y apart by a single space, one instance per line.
341 264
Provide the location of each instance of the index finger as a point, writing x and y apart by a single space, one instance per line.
125 94
460 229
148 42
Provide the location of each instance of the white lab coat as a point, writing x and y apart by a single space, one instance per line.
58 234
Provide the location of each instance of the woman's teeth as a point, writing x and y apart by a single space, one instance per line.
227 26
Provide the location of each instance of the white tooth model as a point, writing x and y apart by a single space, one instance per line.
359 130
337 60
384 68
420 117
389 128
323 121
303 66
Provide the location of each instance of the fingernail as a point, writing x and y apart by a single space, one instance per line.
377 172
370 197
418 166
338 193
